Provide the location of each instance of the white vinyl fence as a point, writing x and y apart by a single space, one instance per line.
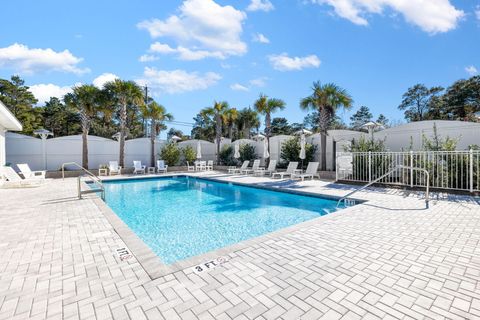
454 170
25 149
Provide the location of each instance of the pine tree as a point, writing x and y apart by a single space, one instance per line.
21 102
359 118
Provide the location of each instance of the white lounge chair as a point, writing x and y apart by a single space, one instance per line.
272 166
244 166
209 165
292 167
200 165
311 172
29 174
255 167
190 168
14 180
138 167
161 166
114 168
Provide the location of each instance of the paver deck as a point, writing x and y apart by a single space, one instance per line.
388 258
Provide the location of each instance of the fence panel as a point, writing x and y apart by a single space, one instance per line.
454 170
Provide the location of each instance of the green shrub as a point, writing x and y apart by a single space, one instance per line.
226 156
189 154
170 153
366 145
290 151
247 152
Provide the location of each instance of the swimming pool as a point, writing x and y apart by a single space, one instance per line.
182 217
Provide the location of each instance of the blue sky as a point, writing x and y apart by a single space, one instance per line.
196 51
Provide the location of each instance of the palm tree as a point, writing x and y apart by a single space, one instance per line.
157 115
247 119
124 94
267 106
326 100
217 110
87 101
230 117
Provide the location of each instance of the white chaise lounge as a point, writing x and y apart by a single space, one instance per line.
292 167
114 168
255 167
234 170
272 167
27 173
311 172
138 167
13 180
161 166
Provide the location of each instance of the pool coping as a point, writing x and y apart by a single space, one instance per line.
154 266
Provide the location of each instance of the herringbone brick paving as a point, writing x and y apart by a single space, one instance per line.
385 259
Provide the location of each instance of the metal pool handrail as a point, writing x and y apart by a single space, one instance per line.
427 192
90 175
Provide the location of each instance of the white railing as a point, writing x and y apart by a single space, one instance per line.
389 172
453 170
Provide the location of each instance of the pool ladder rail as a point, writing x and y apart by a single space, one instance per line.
427 191
87 174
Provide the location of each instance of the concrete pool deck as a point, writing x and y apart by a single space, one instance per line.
386 258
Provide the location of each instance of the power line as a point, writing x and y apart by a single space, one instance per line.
174 122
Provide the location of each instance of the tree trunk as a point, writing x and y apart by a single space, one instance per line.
230 131
218 136
323 136
246 131
123 121
85 126
267 134
85 148
152 140
267 125
324 119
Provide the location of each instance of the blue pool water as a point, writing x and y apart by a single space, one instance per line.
183 217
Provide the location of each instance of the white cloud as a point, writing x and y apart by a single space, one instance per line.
202 29
100 81
471 70
177 81
23 59
147 58
432 16
283 62
477 12
161 48
183 53
259 82
238 87
258 37
43 92
260 5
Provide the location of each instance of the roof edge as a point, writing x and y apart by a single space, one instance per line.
8 120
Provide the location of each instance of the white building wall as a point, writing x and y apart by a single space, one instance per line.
2 146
